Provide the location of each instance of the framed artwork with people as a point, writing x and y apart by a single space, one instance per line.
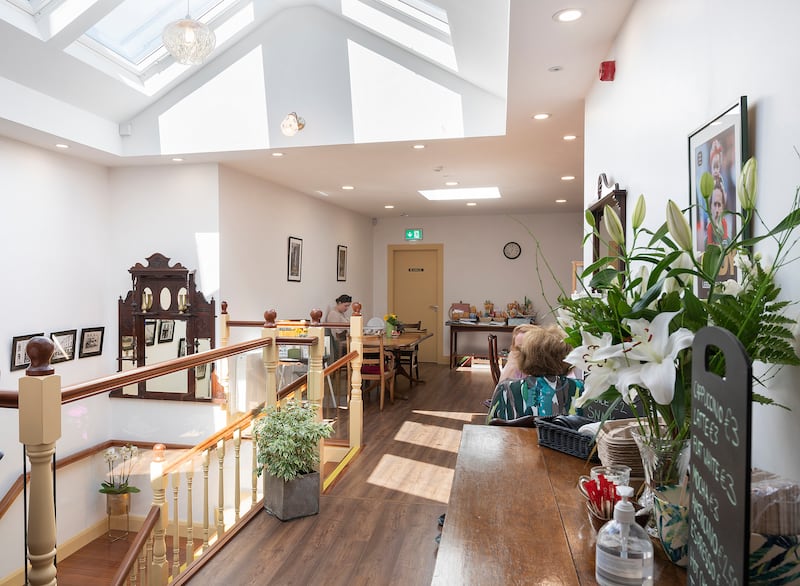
718 148
295 259
91 342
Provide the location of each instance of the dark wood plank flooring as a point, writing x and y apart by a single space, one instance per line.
376 525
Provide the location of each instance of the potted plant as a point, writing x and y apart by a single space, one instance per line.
287 440
117 488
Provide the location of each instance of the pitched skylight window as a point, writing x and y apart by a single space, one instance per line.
133 29
461 193
424 12
31 6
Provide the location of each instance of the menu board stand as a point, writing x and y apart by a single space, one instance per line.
719 517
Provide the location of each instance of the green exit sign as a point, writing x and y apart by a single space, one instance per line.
413 233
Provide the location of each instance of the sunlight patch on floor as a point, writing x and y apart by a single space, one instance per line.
432 436
413 477
466 417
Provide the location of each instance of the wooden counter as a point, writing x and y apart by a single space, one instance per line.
515 516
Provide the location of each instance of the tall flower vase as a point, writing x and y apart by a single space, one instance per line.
117 505
666 464
389 330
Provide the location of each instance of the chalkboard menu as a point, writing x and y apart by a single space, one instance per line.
719 516
597 409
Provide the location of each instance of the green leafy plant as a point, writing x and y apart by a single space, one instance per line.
633 325
391 319
120 465
287 438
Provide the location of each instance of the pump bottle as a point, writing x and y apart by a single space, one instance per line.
624 552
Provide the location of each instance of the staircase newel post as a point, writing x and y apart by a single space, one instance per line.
39 430
159 568
316 380
270 330
356 400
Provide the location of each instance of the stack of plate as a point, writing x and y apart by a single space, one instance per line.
615 445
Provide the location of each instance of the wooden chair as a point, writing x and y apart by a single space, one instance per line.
378 366
409 358
494 359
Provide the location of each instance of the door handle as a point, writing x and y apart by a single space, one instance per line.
434 308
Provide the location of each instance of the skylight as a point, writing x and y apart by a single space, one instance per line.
461 193
31 6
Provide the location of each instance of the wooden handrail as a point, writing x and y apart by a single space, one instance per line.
121 577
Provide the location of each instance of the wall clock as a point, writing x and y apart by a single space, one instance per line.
512 250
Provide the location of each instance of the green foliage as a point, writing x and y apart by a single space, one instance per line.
287 439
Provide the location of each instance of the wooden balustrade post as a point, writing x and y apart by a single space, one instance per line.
237 486
189 515
39 430
356 410
270 330
176 543
316 379
206 463
221 492
159 568
224 340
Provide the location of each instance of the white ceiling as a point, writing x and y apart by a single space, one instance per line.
51 96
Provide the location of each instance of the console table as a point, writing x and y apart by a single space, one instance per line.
456 327
515 516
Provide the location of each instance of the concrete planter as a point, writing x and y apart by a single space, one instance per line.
298 497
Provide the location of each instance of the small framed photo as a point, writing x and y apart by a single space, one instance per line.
149 332
19 356
200 371
295 259
91 342
341 263
166 330
181 347
64 345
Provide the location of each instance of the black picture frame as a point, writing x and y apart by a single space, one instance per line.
181 347
341 263
64 345
294 259
718 147
91 342
149 332
19 357
166 330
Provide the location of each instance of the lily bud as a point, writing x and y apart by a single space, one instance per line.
706 185
590 219
613 225
678 226
746 185
639 212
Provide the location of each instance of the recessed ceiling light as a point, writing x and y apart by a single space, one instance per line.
541 116
451 183
389 207
418 146
472 203
277 154
570 137
61 145
177 159
567 15
561 201
461 193
568 178
555 68
348 187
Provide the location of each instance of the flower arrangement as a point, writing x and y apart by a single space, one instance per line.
287 438
391 319
633 326
119 474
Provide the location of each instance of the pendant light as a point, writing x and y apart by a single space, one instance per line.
189 41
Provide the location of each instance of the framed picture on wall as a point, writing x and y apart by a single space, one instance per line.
718 148
181 347
149 332
166 330
19 356
63 345
341 263
91 342
295 259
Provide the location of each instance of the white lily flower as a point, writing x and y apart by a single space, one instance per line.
684 261
599 374
655 350
730 287
565 318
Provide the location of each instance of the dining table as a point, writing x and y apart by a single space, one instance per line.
405 341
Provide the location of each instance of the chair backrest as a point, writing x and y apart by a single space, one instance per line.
374 358
494 365
414 325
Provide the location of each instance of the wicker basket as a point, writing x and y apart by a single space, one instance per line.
563 439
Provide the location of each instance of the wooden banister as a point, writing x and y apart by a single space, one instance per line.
149 524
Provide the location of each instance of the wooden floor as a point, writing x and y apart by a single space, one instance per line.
376 526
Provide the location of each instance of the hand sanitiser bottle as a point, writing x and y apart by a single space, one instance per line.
624 552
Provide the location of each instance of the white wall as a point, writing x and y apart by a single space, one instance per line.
474 266
679 65
256 220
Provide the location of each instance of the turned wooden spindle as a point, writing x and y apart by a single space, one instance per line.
269 318
356 308
224 306
39 350
316 316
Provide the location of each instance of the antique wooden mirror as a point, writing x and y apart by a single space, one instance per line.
164 317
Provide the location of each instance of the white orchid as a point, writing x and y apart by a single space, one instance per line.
651 353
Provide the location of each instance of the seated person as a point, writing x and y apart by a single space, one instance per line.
511 369
545 390
340 314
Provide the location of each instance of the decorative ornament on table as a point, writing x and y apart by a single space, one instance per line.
392 323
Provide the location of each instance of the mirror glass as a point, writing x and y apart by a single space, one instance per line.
183 296
165 299
147 299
